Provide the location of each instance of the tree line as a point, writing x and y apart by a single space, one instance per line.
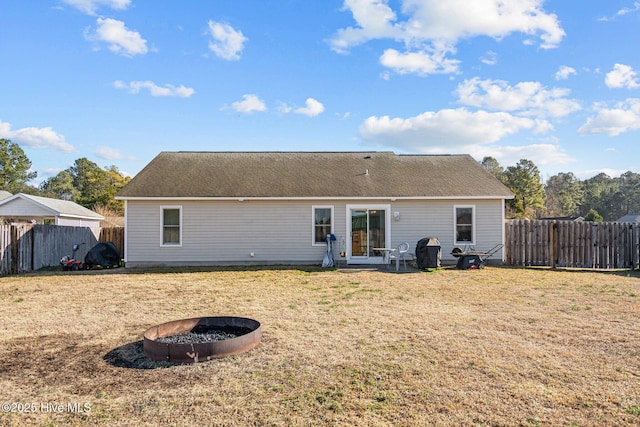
564 195
84 183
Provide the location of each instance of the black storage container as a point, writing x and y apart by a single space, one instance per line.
428 253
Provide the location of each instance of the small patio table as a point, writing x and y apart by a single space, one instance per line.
386 253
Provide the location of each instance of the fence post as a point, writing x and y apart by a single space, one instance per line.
32 249
635 241
552 243
15 262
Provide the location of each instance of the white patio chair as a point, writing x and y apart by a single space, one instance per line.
400 254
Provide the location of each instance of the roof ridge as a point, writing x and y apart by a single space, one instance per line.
281 152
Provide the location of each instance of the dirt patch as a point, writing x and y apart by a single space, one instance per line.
132 356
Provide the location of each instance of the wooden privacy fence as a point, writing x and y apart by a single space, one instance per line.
29 247
580 244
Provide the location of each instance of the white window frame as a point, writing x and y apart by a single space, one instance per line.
313 223
180 225
473 224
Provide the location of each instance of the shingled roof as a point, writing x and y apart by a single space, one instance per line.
312 175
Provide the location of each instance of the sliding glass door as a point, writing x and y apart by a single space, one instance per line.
369 229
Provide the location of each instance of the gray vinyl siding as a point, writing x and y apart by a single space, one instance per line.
435 218
76 222
225 232
23 208
280 232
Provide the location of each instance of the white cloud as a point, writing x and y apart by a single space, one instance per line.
283 108
490 58
91 6
226 42
462 131
119 38
624 117
460 19
626 10
622 76
421 62
590 173
155 90
540 154
434 27
622 12
43 173
375 20
526 98
36 137
443 131
109 153
564 72
312 108
249 104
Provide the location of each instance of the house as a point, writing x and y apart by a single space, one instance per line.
35 209
217 208
630 218
563 218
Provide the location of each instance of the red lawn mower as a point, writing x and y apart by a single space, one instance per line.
70 262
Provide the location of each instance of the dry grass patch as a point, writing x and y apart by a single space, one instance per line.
497 346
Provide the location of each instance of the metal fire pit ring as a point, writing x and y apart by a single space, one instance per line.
200 352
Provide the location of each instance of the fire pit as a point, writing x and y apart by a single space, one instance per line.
201 339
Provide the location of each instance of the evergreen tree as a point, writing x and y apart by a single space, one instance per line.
593 215
59 187
88 185
600 194
492 166
14 167
525 182
564 195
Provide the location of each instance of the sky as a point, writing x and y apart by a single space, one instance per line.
117 81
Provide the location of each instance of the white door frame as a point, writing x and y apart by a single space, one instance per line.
387 232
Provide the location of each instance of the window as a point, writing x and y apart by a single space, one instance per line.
464 219
171 233
322 224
